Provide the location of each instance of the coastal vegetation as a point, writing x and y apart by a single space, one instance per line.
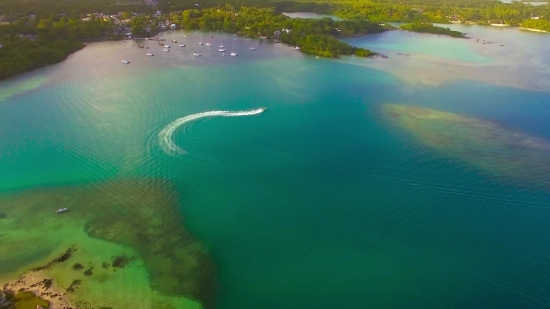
36 33
314 36
29 44
426 27
539 24
470 11
72 8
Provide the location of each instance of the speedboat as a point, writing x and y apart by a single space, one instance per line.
196 54
297 48
125 61
150 54
166 50
166 46
60 210
208 44
252 48
181 45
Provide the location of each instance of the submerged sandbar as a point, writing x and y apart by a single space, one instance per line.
490 147
128 246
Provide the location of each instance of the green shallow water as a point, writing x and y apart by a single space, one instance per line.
318 202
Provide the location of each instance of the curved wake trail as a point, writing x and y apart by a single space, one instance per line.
165 136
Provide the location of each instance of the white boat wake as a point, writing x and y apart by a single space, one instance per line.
165 136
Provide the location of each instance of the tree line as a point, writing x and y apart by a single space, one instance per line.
426 27
314 36
478 11
42 32
539 24
29 43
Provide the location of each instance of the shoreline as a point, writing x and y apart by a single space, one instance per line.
41 286
135 40
533 30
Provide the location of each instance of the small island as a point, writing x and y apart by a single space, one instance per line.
426 27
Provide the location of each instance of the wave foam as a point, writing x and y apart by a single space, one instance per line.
165 136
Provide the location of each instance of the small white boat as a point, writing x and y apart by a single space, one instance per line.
200 43
208 44
233 53
125 61
167 46
196 54
181 45
150 54
60 210
166 50
221 46
221 50
252 48
297 48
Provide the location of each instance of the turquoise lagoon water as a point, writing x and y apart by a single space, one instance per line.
317 202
